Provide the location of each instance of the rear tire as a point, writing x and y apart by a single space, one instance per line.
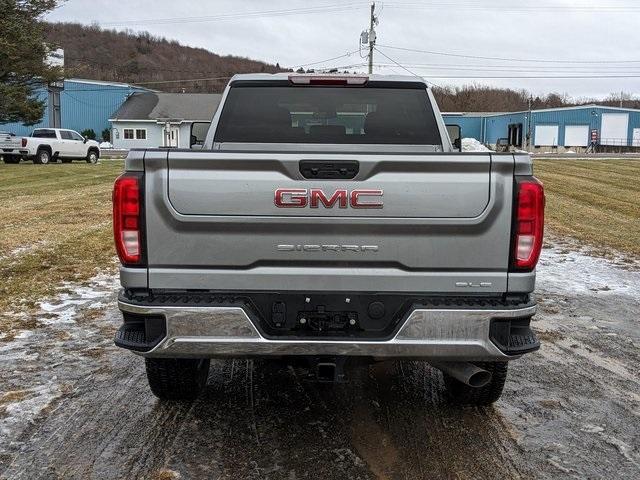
43 157
11 159
92 156
463 394
177 378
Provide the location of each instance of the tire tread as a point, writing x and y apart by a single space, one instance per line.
175 378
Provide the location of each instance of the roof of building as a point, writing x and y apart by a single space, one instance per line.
474 114
101 82
556 109
155 106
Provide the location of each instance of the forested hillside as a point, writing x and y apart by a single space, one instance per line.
97 54
479 98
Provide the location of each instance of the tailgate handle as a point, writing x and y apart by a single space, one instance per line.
340 170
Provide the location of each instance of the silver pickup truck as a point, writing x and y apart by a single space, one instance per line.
328 219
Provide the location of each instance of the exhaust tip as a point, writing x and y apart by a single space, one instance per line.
479 379
465 372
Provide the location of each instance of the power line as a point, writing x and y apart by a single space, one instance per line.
80 60
405 68
326 60
537 8
505 59
336 8
531 76
332 8
558 70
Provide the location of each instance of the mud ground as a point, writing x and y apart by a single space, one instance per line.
74 406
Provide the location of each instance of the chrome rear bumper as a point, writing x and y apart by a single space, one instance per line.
442 334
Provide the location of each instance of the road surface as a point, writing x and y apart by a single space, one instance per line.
74 406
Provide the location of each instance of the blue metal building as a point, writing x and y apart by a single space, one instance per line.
78 104
570 128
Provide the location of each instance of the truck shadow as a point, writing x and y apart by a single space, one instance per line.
261 419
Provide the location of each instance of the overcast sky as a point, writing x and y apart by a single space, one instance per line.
297 32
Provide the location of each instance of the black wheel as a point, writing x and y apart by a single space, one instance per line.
92 156
465 395
177 378
11 159
43 157
66 160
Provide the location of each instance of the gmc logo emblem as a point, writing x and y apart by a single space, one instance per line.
314 197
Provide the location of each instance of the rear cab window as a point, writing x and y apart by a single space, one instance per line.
391 113
44 133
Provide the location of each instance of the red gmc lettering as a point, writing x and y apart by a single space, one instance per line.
318 195
301 197
291 197
357 203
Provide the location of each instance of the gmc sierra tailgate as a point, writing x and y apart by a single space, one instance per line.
431 222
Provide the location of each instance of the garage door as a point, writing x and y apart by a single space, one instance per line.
576 135
546 135
615 129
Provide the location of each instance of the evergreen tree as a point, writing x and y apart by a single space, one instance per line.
89 133
23 60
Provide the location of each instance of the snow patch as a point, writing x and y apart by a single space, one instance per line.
473 145
31 372
23 250
27 408
562 271
64 307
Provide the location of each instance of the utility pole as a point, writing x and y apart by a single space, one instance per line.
529 125
372 36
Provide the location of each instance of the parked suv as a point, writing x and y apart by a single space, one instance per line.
328 218
51 144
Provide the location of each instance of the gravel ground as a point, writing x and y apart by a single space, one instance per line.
74 406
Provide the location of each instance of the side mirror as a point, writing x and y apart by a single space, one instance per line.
455 135
195 144
198 135
84 139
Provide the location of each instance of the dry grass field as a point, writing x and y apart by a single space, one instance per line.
595 201
55 227
55 220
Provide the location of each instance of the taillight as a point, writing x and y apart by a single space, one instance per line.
528 223
24 142
127 218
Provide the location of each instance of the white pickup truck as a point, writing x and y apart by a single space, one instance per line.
49 144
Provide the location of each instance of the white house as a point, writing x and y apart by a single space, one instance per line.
152 119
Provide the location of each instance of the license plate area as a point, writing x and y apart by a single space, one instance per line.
321 322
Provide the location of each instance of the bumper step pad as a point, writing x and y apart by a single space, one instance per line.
140 333
514 337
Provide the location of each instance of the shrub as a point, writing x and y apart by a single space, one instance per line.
89 133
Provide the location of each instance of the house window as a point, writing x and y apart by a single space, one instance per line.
141 134
128 134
